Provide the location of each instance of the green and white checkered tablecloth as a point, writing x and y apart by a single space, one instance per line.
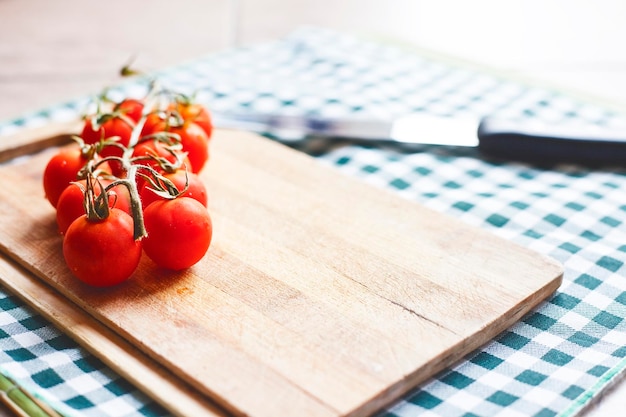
550 363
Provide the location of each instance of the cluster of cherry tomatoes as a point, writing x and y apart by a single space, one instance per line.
130 186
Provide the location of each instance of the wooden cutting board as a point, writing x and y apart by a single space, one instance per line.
320 295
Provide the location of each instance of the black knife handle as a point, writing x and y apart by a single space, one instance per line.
551 143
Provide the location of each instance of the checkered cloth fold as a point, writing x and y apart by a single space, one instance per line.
552 362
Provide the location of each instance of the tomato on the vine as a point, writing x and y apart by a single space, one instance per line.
131 107
62 169
154 153
111 125
195 143
195 188
145 150
154 122
179 232
102 253
195 113
71 202
192 138
149 200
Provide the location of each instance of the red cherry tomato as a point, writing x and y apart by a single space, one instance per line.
155 122
112 125
195 188
195 143
102 253
179 232
62 169
148 148
192 138
144 152
131 107
195 113
71 206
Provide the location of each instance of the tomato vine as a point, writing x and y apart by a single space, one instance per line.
131 155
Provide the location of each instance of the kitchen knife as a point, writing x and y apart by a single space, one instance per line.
522 140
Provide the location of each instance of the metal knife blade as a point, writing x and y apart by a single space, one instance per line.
523 140
417 128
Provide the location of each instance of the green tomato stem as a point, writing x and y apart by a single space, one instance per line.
96 207
139 228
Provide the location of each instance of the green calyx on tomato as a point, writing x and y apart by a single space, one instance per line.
161 150
97 205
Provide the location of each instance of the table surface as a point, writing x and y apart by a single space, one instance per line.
55 51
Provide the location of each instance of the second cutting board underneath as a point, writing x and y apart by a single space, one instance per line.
320 295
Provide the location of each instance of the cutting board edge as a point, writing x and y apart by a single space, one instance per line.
449 357
171 392
33 139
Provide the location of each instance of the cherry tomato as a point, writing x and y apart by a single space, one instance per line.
179 232
71 206
192 138
113 125
195 143
62 169
102 253
195 189
195 113
131 107
154 148
154 123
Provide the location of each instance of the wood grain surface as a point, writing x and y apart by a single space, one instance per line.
171 392
319 296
